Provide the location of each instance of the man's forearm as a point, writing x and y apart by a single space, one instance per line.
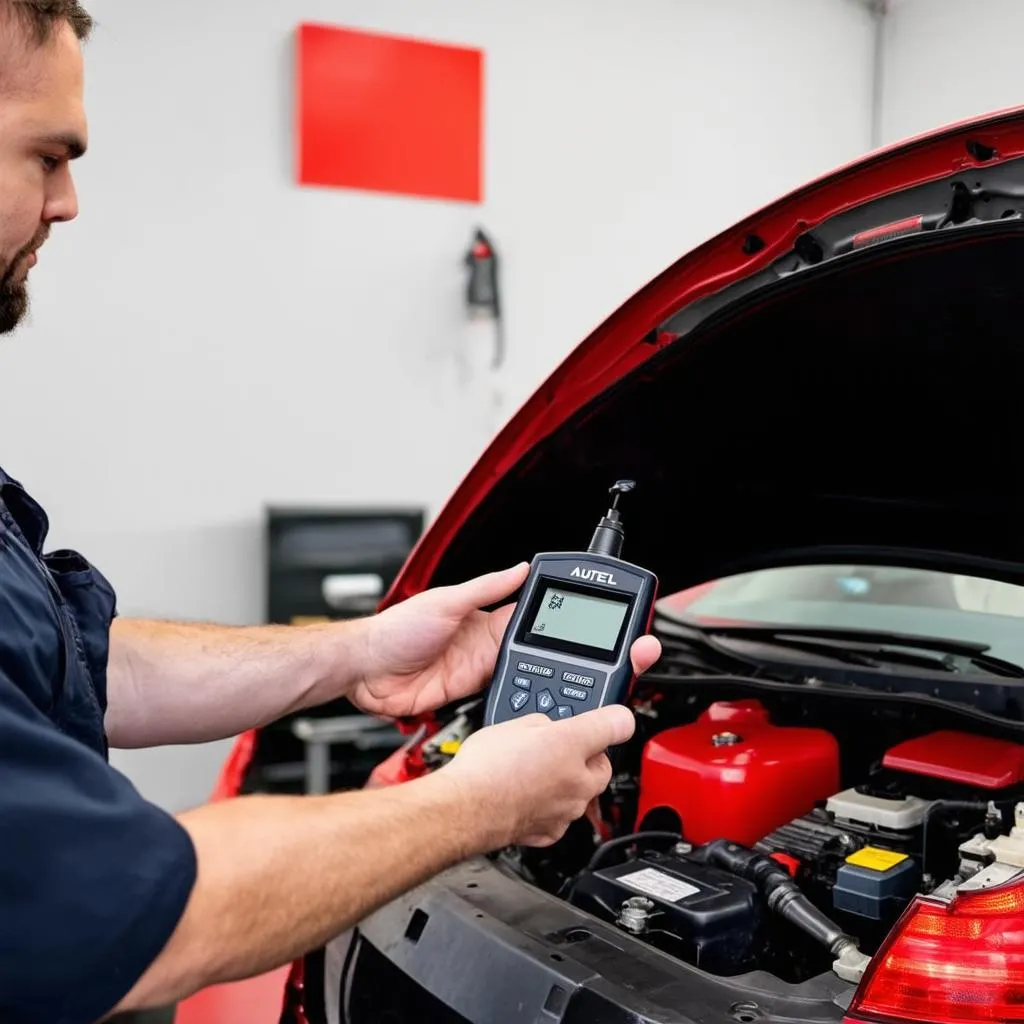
279 876
189 683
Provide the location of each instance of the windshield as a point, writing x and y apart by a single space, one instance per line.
895 600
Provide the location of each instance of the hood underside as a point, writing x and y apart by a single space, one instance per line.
878 406
842 403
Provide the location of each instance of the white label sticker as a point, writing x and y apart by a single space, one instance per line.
657 883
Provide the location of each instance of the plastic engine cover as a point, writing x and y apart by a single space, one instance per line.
733 775
960 757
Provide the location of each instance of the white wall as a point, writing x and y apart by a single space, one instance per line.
231 339
946 60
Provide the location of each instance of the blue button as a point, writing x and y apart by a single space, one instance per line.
522 682
573 694
545 702
518 700
564 711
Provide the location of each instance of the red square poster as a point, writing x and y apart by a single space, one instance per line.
389 114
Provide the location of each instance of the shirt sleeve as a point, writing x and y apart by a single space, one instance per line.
93 879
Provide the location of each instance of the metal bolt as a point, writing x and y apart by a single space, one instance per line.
725 739
634 914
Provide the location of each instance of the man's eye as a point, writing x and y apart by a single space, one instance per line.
50 163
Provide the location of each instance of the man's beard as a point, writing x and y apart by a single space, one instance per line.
14 291
13 301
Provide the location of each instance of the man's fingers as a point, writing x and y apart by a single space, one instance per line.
597 730
644 653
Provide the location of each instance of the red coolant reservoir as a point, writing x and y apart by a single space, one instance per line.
734 775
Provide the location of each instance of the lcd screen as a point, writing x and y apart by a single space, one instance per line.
578 619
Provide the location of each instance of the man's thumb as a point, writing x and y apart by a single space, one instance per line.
601 728
492 588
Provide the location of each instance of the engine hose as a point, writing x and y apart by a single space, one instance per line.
941 807
611 845
783 895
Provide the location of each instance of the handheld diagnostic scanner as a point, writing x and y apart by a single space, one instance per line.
566 648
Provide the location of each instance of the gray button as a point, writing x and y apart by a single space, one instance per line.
573 694
522 682
518 700
575 677
564 711
536 670
545 702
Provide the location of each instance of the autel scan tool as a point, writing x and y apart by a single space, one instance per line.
566 648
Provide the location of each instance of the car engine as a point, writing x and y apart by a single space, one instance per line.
737 843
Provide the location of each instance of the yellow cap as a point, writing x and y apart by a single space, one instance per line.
450 746
874 859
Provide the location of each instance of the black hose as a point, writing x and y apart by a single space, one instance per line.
783 895
943 807
568 887
611 845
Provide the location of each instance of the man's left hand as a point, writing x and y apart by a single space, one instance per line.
439 646
436 647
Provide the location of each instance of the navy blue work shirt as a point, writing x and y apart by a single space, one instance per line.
93 879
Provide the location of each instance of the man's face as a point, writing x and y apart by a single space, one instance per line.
42 129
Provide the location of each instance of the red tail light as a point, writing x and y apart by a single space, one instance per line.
947 963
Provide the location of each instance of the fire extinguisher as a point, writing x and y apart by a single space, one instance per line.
482 293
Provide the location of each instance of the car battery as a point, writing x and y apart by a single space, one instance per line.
706 916
875 883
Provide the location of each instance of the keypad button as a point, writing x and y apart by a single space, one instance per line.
579 680
522 682
574 694
532 669
518 700
545 702
563 711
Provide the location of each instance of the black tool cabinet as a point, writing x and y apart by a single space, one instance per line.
327 564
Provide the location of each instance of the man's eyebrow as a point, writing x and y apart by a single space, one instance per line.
69 141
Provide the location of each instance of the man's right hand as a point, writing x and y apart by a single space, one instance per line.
528 779
279 876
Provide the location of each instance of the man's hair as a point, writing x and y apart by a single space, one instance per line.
42 17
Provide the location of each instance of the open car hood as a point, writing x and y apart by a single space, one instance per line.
838 377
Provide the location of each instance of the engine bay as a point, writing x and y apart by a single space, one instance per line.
762 833
771 823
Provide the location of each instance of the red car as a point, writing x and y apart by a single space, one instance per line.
822 814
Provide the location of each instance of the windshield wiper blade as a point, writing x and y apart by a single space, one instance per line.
881 646
708 651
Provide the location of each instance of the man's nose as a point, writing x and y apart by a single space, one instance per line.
62 200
